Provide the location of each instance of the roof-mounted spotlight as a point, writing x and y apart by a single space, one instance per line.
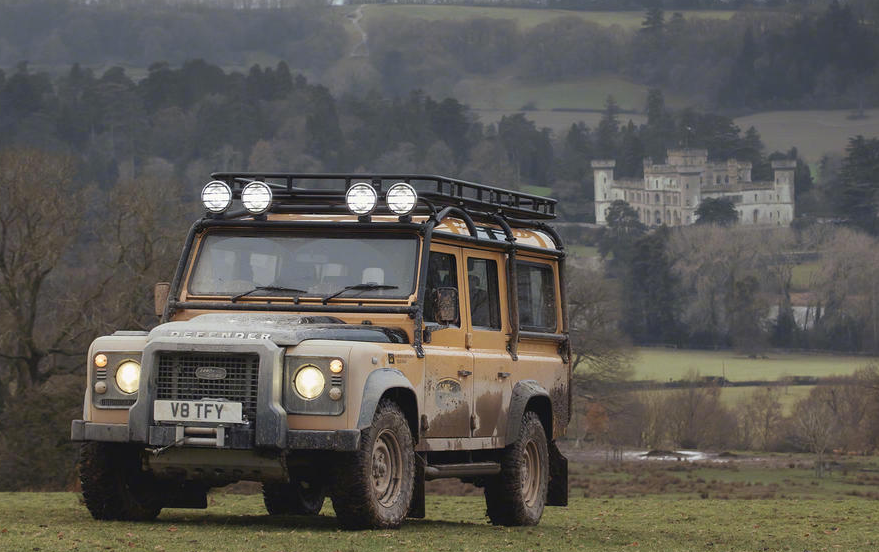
256 197
361 199
216 196
401 198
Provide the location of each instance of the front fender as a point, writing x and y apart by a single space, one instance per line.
377 384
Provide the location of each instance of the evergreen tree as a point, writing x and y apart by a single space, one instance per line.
719 211
859 182
607 134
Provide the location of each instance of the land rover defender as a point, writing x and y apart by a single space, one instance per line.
341 335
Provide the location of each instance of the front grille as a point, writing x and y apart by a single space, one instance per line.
177 379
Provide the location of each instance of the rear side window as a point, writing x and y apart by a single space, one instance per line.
485 309
536 287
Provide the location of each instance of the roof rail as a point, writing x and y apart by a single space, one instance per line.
325 192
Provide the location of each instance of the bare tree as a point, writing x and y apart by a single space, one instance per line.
61 282
761 413
40 217
816 425
721 270
600 351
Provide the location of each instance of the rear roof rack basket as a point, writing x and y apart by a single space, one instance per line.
325 192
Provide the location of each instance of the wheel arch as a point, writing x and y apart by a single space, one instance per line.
528 395
389 384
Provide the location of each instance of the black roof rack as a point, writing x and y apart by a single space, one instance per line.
325 193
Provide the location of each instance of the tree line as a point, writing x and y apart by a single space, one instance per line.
187 121
818 57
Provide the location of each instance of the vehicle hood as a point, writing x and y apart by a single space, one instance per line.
282 329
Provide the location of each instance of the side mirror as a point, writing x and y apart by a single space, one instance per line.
446 306
160 296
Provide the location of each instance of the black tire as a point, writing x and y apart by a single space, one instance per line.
373 487
300 497
517 495
114 486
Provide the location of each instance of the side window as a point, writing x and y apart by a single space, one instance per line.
442 271
536 296
485 309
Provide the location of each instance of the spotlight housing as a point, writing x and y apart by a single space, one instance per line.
401 198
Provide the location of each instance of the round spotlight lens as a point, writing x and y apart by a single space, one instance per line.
128 376
216 196
361 199
309 382
336 365
257 197
402 198
100 360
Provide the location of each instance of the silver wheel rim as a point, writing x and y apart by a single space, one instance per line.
531 474
386 468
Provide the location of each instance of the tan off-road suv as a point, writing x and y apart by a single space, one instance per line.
347 335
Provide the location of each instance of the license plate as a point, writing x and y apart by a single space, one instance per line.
197 411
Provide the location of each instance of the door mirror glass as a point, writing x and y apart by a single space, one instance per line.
160 295
446 306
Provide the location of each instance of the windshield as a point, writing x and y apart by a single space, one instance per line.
312 265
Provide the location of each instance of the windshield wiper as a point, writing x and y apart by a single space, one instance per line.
359 287
267 288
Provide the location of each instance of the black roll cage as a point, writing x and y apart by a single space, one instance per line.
466 201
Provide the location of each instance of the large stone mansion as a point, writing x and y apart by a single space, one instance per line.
670 193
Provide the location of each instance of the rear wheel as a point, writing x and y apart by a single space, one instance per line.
373 486
304 497
114 485
517 495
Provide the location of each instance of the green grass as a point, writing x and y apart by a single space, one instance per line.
583 250
524 18
732 396
673 364
537 190
511 94
788 395
802 274
56 521
812 132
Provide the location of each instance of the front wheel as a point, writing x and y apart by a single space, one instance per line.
374 485
304 497
114 485
517 495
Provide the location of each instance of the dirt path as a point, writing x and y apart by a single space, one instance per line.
361 49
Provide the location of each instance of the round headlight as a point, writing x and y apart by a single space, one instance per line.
256 197
309 382
402 198
128 376
216 196
361 199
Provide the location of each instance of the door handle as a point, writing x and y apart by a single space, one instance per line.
503 375
464 373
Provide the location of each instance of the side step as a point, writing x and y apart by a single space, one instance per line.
473 469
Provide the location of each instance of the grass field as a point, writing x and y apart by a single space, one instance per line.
661 364
524 18
812 132
512 94
56 521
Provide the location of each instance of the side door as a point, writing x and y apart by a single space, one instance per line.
489 334
448 381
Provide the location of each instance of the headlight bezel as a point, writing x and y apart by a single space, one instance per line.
113 397
323 404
